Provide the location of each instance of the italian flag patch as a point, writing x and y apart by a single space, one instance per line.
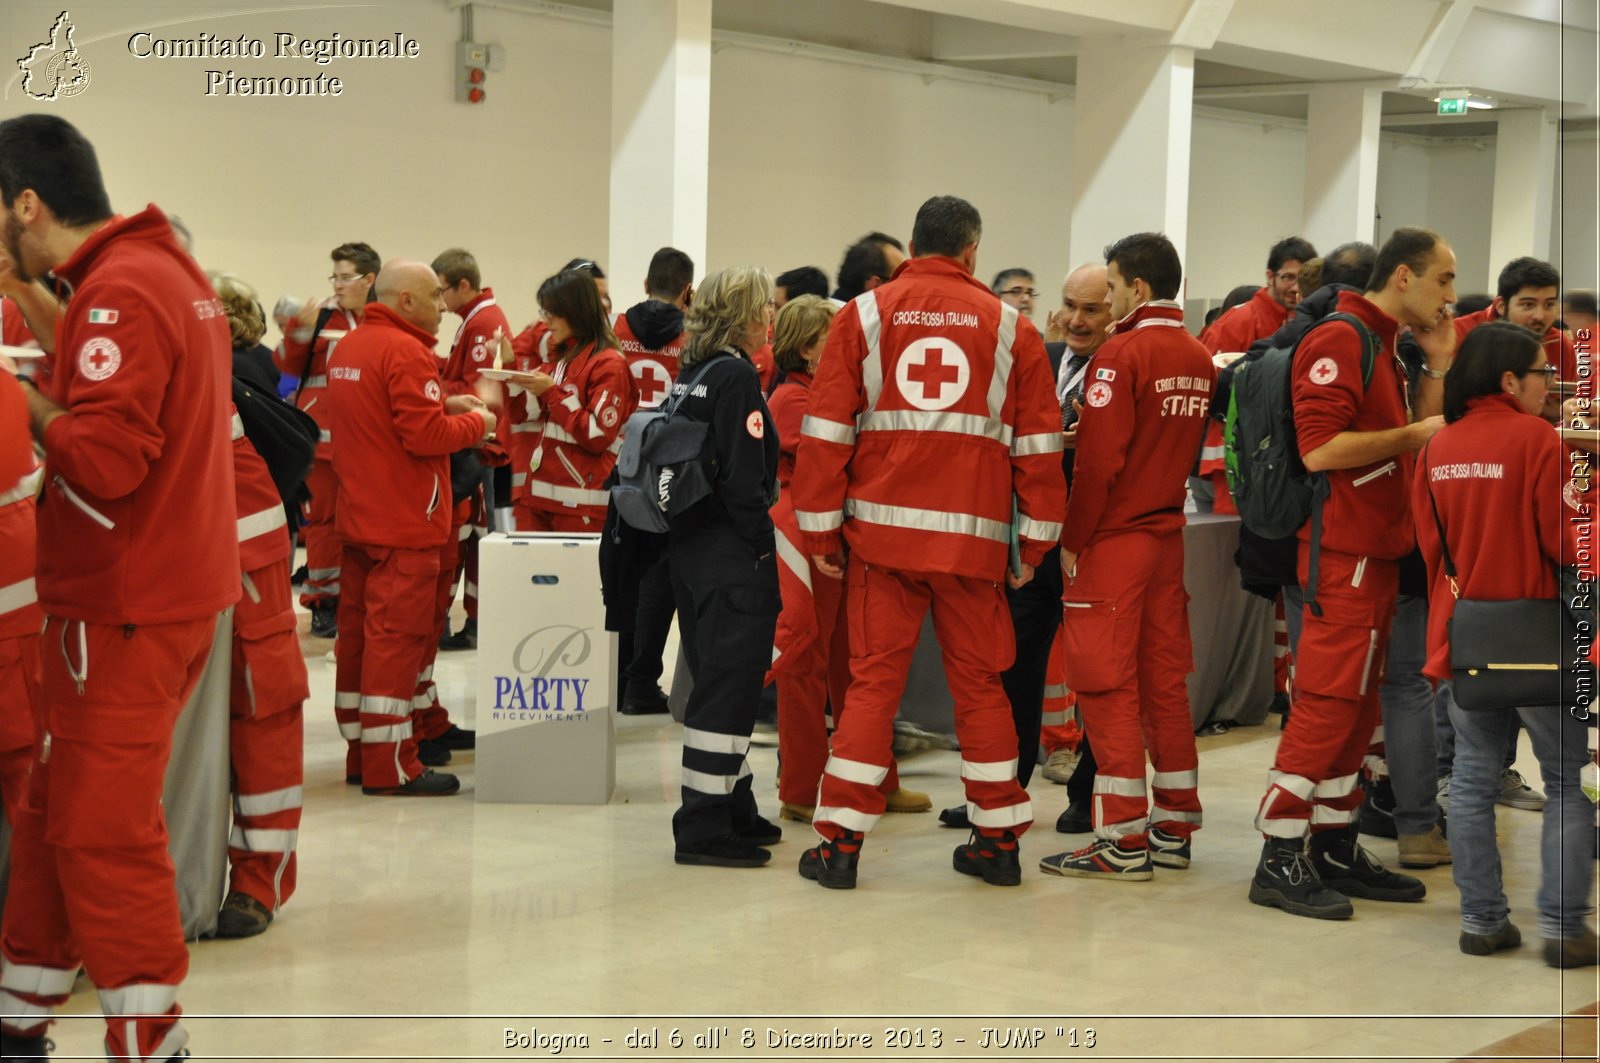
102 317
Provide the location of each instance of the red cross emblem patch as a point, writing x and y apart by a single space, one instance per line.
933 373
99 358
652 380
1099 394
1324 371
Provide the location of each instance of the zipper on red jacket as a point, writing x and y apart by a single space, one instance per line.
94 514
1382 470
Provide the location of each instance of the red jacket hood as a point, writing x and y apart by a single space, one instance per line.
379 314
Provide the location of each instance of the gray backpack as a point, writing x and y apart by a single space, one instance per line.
663 468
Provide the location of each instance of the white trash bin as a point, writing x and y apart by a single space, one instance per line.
546 672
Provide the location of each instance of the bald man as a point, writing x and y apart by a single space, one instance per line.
1036 606
395 433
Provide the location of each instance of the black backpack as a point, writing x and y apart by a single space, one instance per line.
662 469
1273 491
286 439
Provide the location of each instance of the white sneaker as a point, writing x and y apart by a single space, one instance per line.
1060 765
1516 793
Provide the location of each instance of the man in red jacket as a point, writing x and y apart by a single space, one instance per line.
932 419
1126 622
135 435
1359 432
397 431
471 352
1528 294
304 352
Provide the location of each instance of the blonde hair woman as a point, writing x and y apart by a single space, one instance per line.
247 323
726 578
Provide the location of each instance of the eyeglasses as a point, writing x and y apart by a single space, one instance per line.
1549 372
344 278
1031 293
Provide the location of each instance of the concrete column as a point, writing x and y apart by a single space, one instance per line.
1130 149
1342 165
660 136
1524 186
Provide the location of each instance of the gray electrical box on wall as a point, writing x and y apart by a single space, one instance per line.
472 71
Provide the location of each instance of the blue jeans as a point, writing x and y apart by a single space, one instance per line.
1565 856
1408 725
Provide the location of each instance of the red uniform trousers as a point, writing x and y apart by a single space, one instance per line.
429 718
1128 656
19 693
1058 726
1338 674
321 538
884 609
386 623
91 879
817 678
266 738
544 520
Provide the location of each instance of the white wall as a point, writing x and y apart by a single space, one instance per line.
1246 192
1575 232
806 155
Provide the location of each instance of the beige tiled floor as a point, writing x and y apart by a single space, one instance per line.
412 910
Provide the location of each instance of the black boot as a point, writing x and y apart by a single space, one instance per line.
325 619
1286 879
1377 809
34 1049
1345 866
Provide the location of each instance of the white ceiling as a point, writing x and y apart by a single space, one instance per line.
1255 56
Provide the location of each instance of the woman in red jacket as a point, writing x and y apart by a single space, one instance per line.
579 396
812 665
1496 473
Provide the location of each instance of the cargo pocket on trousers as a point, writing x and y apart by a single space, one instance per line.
1093 650
414 589
271 676
1337 660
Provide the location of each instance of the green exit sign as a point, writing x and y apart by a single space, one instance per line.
1453 106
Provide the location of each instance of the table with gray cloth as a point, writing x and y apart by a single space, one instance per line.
1231 631
196 799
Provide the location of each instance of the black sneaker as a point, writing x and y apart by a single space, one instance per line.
432 754
325 620
1343 865
729 850
955 816
242 916
1377 810
1286 879
465 639
457 738
1076 819
995 860
759 831
25 1049
298 576
833 864
644 702
429 784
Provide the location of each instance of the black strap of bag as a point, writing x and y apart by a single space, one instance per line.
323 317
1444 547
